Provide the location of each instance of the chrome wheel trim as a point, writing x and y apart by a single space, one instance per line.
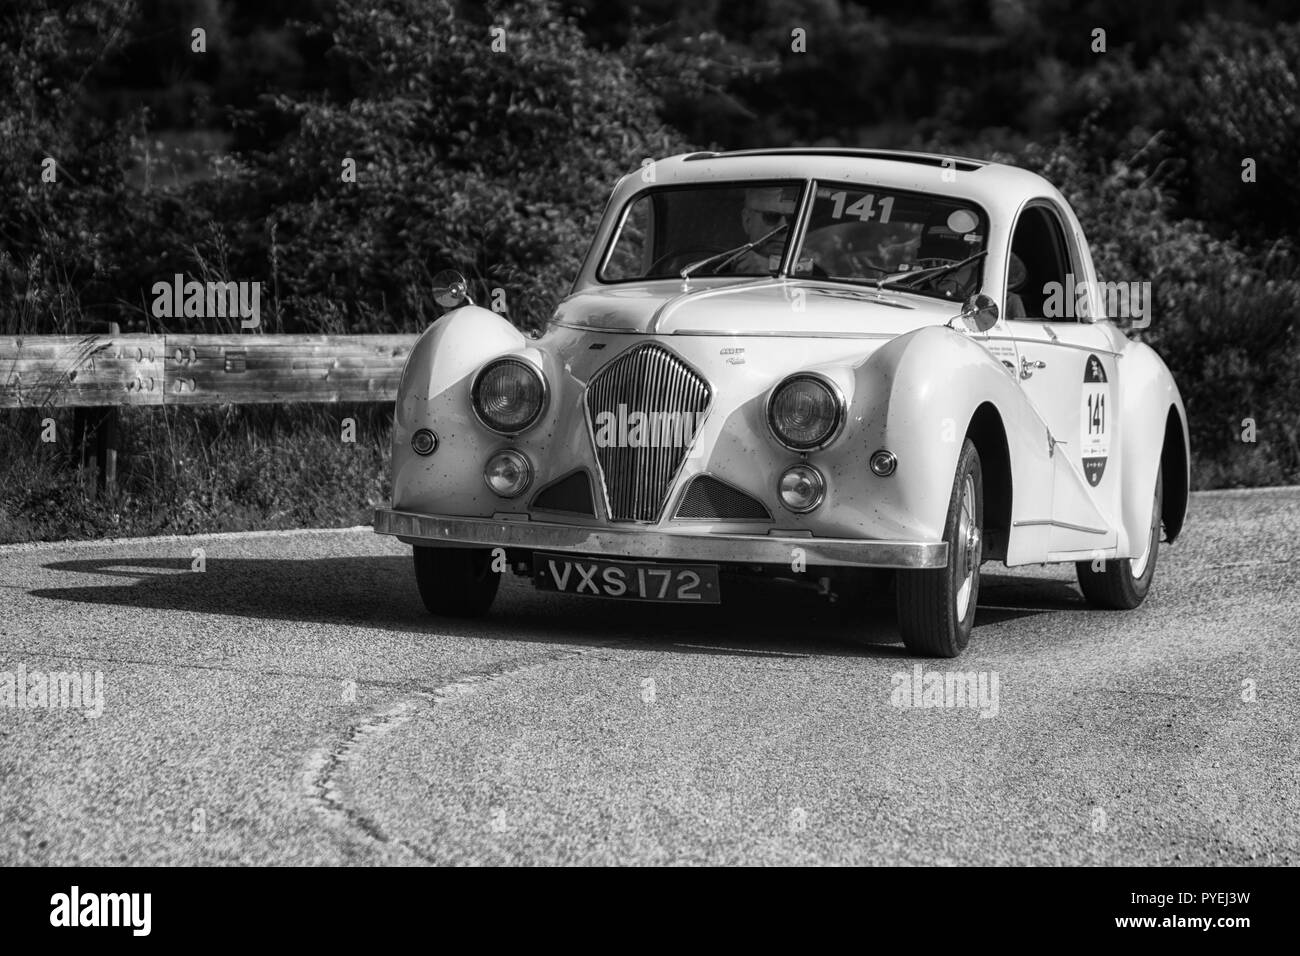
966 553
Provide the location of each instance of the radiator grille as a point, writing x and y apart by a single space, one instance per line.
644 408
709 499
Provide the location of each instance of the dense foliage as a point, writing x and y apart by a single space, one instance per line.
486 137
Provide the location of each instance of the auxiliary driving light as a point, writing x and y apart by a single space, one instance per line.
802 488
508 473
424 442
884 462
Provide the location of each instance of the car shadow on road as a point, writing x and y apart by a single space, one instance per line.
379 592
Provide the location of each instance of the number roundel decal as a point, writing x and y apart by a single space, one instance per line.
1095 427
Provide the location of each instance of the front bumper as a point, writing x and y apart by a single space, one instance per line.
636 543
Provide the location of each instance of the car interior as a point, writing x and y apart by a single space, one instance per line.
1039 245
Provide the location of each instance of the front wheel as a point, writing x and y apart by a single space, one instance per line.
456 582
1122 584
936 609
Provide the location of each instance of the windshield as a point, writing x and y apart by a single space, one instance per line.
867 235
857 234
745 226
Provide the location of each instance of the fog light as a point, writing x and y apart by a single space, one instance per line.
802 488
883 463
508 473
424 442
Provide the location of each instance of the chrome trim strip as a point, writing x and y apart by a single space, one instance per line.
1038 522
613 236
649 545
1022 341
794 241
788 335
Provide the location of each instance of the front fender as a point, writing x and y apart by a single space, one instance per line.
930 383
434 393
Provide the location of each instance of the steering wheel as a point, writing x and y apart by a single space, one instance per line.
950 286
815 271
677 260
919 265
860 262
932 263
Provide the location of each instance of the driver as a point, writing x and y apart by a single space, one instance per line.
765 209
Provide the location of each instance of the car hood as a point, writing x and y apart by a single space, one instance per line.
752 307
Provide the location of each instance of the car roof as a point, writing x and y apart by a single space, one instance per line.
1000 188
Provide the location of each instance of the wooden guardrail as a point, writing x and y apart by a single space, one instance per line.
95 371
97 374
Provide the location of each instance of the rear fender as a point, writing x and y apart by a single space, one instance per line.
1154 425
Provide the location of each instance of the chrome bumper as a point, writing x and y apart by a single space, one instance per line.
634 543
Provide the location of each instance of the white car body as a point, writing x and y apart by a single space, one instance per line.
912 381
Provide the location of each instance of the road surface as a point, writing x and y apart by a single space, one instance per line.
291 702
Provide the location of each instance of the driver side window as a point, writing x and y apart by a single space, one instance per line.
1038 275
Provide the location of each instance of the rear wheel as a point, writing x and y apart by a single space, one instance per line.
936 609
456 582
1122 584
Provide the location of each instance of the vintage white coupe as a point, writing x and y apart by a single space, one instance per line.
805 364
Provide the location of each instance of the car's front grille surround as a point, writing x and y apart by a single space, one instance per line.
652 380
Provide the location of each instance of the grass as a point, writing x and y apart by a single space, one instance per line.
256 467
192 470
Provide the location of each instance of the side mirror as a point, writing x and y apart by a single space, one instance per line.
980 313
450 290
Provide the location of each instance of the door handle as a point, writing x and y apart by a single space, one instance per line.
1027 367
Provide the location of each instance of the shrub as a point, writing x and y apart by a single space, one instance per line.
1224 319
497 163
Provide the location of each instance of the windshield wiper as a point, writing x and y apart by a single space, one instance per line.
730 254
930 273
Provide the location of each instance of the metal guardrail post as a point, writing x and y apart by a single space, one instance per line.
95 435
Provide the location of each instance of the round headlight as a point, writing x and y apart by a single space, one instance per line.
804 412
508 473
424 442
802 488
508 396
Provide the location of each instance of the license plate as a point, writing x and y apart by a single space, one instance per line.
635 581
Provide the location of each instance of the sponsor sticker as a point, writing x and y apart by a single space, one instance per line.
1095 427
962 221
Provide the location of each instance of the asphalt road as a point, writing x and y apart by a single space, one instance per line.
292 703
